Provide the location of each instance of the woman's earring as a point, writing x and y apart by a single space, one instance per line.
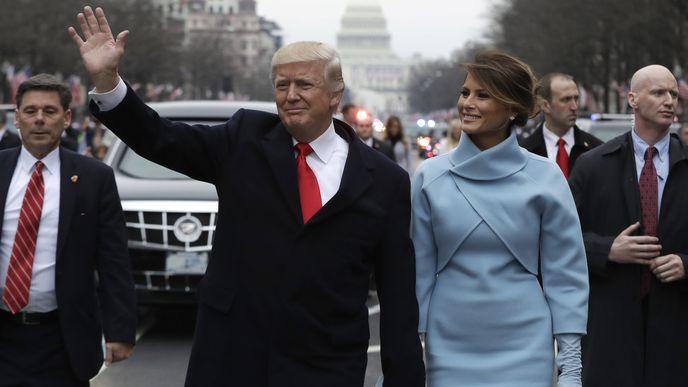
512 118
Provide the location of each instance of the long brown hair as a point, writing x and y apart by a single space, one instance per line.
399 136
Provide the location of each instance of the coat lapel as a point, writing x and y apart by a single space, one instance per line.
68 194
677 154
629 179
355 179
7 165
538 144
279 151
580 146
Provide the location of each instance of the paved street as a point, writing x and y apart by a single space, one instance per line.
162 352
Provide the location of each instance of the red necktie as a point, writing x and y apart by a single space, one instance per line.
18 281
309 191
563 157
648 206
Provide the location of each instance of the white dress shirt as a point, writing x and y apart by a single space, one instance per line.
42 292
327 159
551 140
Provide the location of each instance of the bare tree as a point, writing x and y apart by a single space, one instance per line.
601 43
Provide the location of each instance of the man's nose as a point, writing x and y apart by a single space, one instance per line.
292 94
669 98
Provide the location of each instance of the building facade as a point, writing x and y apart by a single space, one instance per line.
375 77
245 40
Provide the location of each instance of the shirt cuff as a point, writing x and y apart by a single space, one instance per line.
109 100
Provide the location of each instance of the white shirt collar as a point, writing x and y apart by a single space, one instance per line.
324 146
51 162
553 138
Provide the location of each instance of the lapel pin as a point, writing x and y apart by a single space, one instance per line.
74 178
586 144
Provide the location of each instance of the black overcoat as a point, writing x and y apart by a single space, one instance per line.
605 187
283 303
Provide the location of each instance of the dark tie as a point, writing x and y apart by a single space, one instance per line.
648 206
563 157
309 191
20 269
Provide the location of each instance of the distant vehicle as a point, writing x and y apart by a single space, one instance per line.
427 146
606 126
170 218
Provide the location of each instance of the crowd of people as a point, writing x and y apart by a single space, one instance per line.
489 254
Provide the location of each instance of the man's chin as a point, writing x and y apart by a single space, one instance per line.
294 126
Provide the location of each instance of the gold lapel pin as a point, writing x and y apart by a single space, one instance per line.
74 178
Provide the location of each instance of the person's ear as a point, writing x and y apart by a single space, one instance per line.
632 100
544 105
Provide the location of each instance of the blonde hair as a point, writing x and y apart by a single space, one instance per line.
308 52
451 141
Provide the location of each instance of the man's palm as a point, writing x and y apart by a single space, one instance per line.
100 51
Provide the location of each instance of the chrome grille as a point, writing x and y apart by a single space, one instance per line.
151 224
161 280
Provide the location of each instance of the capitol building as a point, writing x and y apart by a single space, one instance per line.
375 77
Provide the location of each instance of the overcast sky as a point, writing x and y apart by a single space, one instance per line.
433 28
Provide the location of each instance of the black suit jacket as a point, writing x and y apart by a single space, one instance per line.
283 303
91 238
583 142
605 188
9 140
384 147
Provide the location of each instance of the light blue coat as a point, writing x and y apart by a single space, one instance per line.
481 221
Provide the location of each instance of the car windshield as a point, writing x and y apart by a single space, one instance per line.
606 133
136 166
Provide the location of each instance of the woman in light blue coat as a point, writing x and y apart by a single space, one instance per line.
487 219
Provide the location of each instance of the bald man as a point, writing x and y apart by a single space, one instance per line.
633 207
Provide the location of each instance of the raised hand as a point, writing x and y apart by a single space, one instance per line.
100 51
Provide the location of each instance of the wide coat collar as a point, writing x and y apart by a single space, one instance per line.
503 159
356 178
